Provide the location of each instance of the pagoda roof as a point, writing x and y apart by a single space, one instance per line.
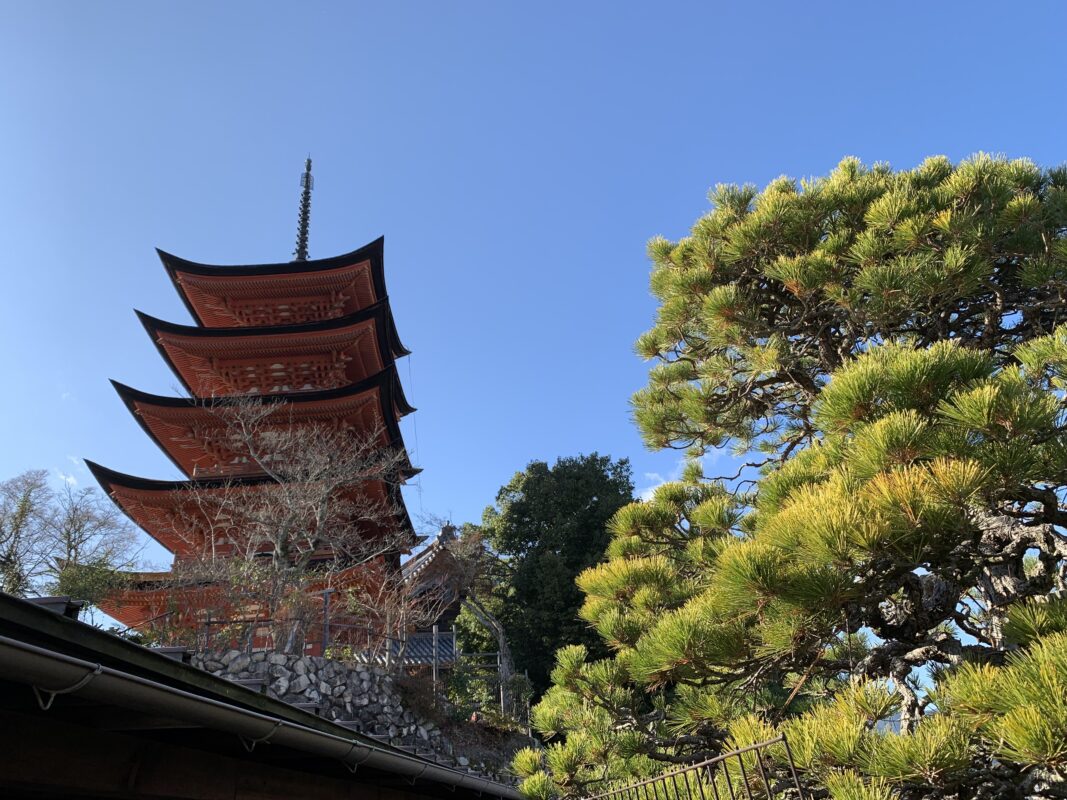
152 504
148 596
154 596
181 426
232 360
300 291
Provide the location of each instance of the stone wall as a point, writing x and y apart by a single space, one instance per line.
361 696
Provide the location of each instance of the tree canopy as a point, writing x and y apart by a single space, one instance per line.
548 524
775 289
890 593
67 541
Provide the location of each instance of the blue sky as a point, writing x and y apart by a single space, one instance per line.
516 157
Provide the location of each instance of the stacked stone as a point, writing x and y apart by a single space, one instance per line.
362 694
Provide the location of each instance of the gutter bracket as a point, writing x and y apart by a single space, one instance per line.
353 767
413 778
250 744
79 684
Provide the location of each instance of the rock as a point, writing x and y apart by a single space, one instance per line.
278 671
229 656
240 663
325 688
299 683
310 695
463 761
423 733
340 691
300 666
280 686
278 658
212 666
259 655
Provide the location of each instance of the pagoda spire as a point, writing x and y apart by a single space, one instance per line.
307 183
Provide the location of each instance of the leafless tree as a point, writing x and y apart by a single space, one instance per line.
71 541
24 503
475 569
303 508
389 607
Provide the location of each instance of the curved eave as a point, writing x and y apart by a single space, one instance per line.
389 345
392 406
380 311
372 252
394 402
110 480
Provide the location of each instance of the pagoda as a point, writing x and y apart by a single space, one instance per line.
313 340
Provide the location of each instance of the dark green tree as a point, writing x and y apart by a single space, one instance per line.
892 343
549 523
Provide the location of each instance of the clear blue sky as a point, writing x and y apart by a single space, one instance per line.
516 157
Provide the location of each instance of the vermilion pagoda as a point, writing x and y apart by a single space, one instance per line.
318 335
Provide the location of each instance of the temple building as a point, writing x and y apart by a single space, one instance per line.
311 341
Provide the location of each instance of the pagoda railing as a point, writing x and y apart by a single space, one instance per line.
764 771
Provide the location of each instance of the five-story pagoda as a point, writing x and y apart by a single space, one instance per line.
309 343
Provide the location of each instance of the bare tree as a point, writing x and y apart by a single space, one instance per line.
90 545
476 569
71 541
304 508
389 607
24 503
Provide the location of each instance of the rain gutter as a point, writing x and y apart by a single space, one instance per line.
51 674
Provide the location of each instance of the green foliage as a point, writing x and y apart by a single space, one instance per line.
1036 618
548 524
774 290
527 762
851 785
1020 709
539 786
909 521
936 753
92 581
884 525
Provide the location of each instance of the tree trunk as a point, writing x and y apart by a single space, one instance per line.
507 663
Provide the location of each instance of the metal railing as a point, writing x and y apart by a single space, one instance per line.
764 771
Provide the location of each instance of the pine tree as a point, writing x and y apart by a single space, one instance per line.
774 290
891 342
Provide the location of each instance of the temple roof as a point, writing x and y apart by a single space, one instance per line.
148 596
436 551
183 427
328 354
154 504
291 292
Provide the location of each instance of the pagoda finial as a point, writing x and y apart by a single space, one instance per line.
307 183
